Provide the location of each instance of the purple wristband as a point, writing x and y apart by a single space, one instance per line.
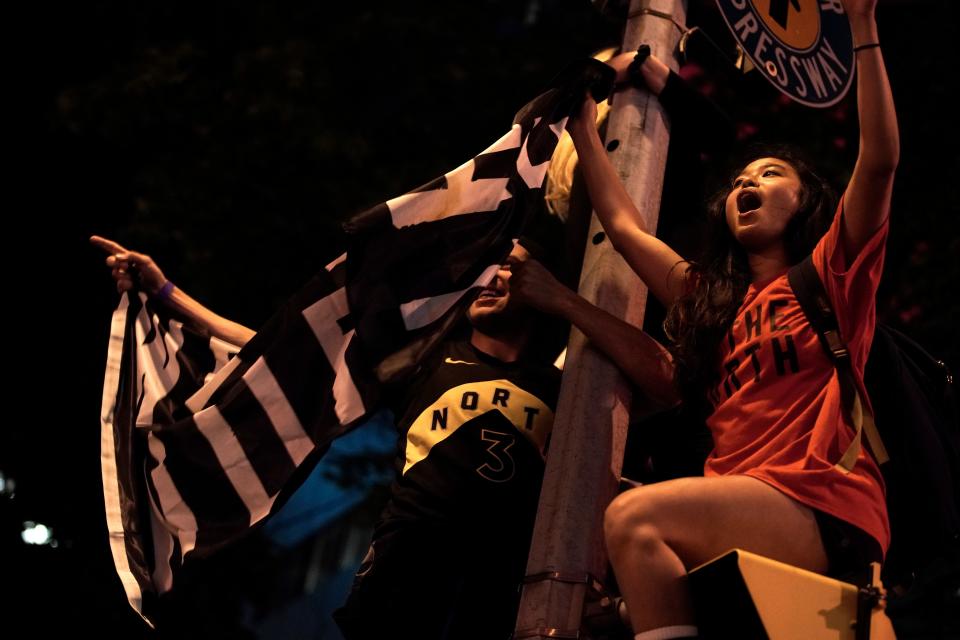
164 292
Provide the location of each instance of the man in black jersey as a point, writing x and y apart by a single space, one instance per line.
449 551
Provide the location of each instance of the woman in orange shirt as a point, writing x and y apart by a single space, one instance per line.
742 342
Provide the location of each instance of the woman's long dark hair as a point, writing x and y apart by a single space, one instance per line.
700 319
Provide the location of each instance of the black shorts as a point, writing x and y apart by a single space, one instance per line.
431 585
849 549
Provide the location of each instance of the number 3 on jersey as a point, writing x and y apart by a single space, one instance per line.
502 467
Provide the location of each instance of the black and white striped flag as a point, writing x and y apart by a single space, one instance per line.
200 438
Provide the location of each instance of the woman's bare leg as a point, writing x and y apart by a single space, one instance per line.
655 533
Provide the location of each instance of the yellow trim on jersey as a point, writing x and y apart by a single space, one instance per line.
463 403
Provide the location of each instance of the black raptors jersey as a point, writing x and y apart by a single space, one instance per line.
473 432
450 550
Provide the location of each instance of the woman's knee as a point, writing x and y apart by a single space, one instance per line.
628 523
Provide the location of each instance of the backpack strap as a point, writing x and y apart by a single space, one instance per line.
813 299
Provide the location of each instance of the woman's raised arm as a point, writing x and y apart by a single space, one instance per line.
867 197
125 265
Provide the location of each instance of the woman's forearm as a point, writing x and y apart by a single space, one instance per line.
610 199
868 194
879 132
216 325
649 257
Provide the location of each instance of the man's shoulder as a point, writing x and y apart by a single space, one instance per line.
457 363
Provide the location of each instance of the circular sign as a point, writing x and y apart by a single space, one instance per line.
803 47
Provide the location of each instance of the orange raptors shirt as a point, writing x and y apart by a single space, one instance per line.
777 414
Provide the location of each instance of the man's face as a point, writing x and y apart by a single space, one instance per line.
494 307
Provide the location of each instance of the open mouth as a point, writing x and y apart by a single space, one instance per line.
748 201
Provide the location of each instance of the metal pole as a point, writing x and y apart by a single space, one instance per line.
586 449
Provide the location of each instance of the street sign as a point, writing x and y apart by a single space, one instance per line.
803 47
